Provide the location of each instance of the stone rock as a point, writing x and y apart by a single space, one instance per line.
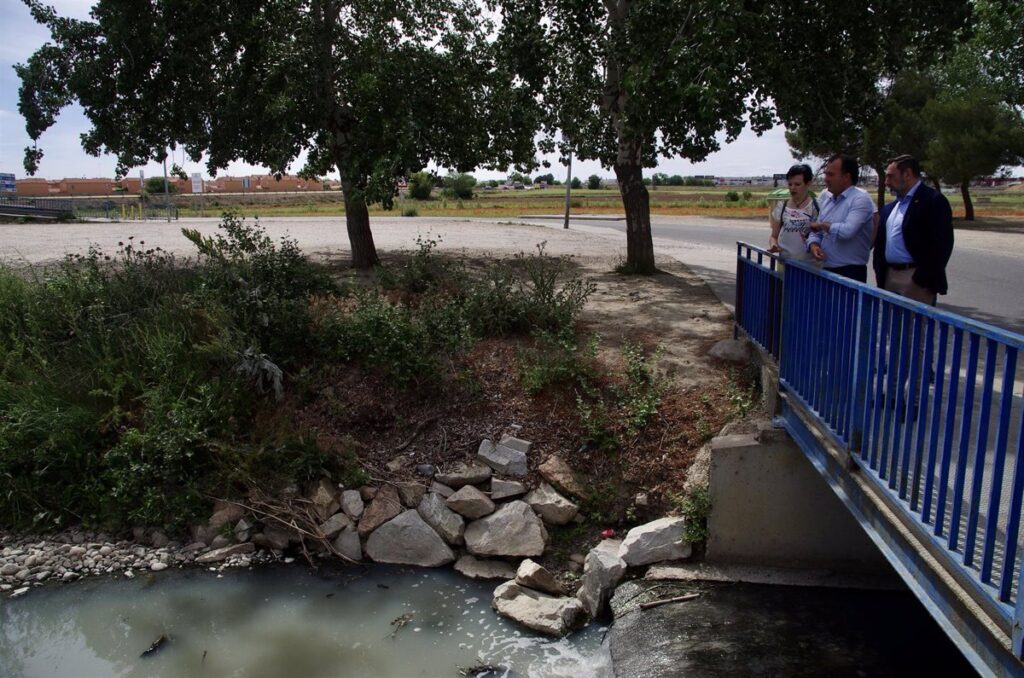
474 568
385 506
334 525
219 542
347 544
503 489
243 530
516 444
158 539
470 502
560 475
398 463
446 522
367 493
223 514
217 555
106 550
502 458
411 494
657 540
157 566
535 576
731 350
138 533
352 504
426 470
9 569
440 489
276 536
202 533
23 574
408 540
324 496
551 506
513 530
602 572
464 474
77 551
551 615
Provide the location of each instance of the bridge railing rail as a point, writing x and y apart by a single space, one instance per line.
55 204
928 403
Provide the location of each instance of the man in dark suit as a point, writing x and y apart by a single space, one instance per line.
915 235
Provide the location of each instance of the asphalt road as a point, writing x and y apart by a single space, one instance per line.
983 272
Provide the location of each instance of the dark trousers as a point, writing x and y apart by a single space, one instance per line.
858 272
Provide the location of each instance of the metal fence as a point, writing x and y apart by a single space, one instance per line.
928 403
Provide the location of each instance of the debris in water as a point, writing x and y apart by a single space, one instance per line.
203 660
155 647
329 595
482 671
383 586
666 601
399 622
607 534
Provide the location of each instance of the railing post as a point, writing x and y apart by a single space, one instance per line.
859 382
738 306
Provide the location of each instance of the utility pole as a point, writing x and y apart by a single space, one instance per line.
167 191
568 189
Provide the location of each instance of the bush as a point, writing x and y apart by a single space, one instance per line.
558 359
459 186
593 182
420 186
747 195
410 212
732 196
576 183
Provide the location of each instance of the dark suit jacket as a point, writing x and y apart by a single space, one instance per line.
927 234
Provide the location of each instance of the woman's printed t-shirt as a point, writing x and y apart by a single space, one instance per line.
796 225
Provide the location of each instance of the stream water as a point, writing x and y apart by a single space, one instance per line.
281 621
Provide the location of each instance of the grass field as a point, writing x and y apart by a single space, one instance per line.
1001 203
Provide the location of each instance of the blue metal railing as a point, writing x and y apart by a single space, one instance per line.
759 297
55 204
927 402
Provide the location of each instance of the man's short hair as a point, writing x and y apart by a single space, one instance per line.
847 165
907 162
800 170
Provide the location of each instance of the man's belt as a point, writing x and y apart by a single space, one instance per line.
902 267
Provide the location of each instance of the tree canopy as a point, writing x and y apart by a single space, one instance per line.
375 90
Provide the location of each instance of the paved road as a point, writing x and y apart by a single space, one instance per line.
984 272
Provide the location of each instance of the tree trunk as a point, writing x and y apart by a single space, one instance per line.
968 205
636 201
357 219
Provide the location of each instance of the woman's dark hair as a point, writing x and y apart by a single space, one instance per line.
800 170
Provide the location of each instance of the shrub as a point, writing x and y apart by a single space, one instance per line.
593 182
747 195
576 183
732 196
459 185
643 389
558 359
410 212
420 186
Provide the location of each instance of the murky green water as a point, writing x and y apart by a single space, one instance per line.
282 621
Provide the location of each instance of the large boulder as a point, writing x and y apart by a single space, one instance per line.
551 506
464 474
445 521
348 545
655 541
408 540
602 571
352 504
335 524
535 576
220 554
325 498
505 489
385 506
513 530
411 493
470 502
504 458
560 475
731 350
551 615
474 568
224 513
441 489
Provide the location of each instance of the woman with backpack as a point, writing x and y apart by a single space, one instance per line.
791 220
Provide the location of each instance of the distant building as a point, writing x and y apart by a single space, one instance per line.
37 188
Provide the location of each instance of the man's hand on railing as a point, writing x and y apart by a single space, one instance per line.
817 252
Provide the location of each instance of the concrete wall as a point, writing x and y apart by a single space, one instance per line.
770 507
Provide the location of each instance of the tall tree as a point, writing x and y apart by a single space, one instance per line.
975 134
862 73
375 90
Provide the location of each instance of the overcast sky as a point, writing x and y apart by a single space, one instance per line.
20 36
